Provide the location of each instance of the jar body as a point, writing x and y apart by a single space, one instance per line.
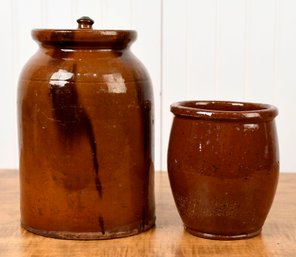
223 173
86 144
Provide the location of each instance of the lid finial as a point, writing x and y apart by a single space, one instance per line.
85 22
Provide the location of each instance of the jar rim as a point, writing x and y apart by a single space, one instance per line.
227 110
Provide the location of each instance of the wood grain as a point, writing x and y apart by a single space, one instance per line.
167 239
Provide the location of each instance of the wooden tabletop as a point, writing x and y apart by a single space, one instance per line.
168 237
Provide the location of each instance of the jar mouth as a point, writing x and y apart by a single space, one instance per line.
118 39
229 110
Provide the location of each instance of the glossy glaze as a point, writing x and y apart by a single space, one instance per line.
85 109
223 165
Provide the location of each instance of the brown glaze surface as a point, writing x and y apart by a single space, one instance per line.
223 165
85 107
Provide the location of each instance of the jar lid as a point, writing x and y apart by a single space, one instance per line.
85 36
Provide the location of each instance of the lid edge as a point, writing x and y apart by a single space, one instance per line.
121 38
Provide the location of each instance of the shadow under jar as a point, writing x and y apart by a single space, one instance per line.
85 108
223 166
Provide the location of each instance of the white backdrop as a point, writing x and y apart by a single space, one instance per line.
241 50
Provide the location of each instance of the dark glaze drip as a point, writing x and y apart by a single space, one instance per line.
102 225
72 118
143 222
93 145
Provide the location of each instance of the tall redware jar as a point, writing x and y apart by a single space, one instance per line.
85 110
223 164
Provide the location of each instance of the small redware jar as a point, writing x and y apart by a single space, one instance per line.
223 165
85 110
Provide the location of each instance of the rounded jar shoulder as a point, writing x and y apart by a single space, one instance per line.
99 66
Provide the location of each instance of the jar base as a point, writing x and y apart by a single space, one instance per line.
88 235
222 237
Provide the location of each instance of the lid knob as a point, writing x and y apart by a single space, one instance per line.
85 23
